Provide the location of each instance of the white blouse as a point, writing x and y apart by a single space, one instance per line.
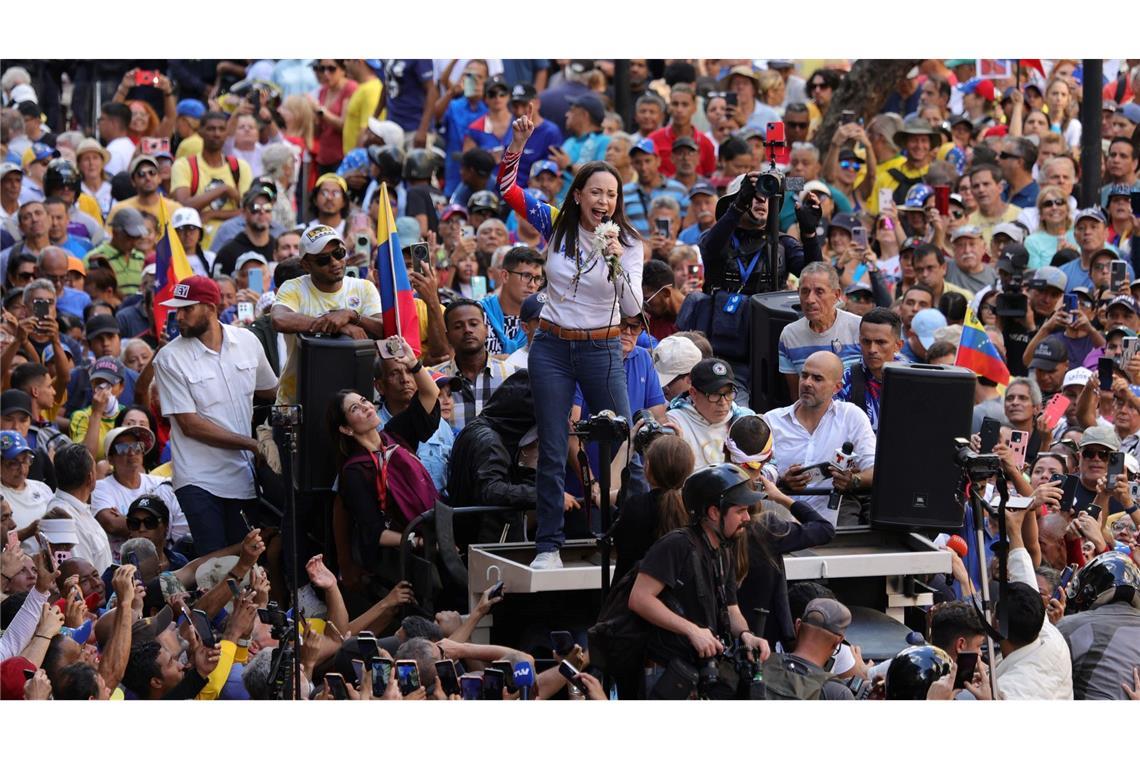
595 302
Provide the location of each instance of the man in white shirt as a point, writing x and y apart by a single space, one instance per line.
114 125
812 430
75 474
207 379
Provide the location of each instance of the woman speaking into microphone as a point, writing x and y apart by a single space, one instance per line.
593 275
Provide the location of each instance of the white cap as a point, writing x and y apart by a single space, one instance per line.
316 237
1077 376
23 92
674 356
247 257
815 186
1014 232
388 131
60 531
186 217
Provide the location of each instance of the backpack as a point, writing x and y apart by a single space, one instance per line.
195 173
786 680
400 473
905 184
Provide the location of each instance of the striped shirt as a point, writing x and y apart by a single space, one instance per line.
637 202
798 341
470 398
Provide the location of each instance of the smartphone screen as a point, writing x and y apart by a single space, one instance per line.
991 430
730 99
381 673
1104 367
334 682
859 237
508 671
1119 275
471 687
886 199
662 226
41 308
1069 492
967 663
171 326
448 680
568 671
367 646
1063 583
407 676
358 671
493 683
1115 467
257 280
562 642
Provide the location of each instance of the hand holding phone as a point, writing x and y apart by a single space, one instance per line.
381 674
1055 410
407 676
448 679
967 663
334 682
1104 368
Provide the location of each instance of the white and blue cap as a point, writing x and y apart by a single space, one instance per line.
1090 213
645 145
925 323
545 165
13 444
531 306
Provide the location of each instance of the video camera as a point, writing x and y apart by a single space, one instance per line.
649 432
606 425
976 466
1012 302
285 415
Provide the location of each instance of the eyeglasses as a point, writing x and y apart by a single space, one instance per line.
714 398
631 327
146 173
818 86
1055 203
150 523
537 279
122 449
1091 453
851 165
261 208
498 94
331 192
957 213
22 458
323 69
323 260
24 276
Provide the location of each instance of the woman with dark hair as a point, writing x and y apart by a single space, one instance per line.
368 518
332 99
136 415
21 270
771 535
649 516
593 275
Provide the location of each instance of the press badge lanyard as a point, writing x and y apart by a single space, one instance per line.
734 300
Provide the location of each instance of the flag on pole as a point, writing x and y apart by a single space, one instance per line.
397 301
170 267
977 352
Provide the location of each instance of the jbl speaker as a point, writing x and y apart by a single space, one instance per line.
922 410
771 312
327 365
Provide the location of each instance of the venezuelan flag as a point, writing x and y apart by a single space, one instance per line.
171 266
397 299
977 352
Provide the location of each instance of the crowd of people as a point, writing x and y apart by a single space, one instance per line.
575 271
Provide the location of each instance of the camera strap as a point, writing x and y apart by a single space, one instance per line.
719 615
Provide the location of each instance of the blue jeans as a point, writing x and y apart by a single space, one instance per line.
556 365
214 522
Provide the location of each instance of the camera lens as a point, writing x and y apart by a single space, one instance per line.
768 184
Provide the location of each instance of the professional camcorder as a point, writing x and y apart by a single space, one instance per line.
1012 302
976 466
285 415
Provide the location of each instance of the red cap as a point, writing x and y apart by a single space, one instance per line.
194 290
12 677
985 88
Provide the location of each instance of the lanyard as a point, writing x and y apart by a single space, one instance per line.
746 273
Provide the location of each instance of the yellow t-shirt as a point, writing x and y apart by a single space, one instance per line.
168 205
884 181
209 176
986 224
191 146
88 205
301 296
82 419
360 106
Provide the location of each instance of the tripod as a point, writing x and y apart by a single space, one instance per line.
287 418
604 429
979 508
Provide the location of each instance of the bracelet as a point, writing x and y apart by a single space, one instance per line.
1130 510
41 636
242 643
415 368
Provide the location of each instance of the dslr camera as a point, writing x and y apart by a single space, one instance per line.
649 432
976 466
606 425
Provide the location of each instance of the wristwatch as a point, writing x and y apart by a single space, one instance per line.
856 482
1130 510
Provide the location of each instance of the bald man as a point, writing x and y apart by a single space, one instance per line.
52 265
811 432
1051 537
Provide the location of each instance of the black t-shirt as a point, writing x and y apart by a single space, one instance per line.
670 561
636 529
419 201
231 251
1016 337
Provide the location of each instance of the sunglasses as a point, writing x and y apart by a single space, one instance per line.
851 165
818 86
323 69
323 260
1091 453
123 449
260 208
1055 203
1006 155
24 276
957 214
150 523
146 173
796 125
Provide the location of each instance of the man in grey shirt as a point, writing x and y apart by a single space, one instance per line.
968 270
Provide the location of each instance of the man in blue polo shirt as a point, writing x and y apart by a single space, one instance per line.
586 142
823 327
650 184
547 135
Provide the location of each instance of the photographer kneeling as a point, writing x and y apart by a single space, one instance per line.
686 590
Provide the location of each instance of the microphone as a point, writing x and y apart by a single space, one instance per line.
606 218
844 455
524 678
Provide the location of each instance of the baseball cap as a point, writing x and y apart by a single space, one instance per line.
978 86
1127 302
1090 213
849 155
149 502
842 221
966 230
857 287
545 165
1119 190
1083 293
191 107
194 290
12 444
1049 277
1077 376
247 257
255 192
711 375
1014 258
1105 252
317 237
186 217
497 83
8 167
139 160
531 307
453 209
102 324
59 531
829 614
592 104
1014 232
16 400
700 187
479 160
1100 435
685 142
910 243
130 221
814 186
674 356
523 93
645 145
38 151
924 325
1049 353
1130 111
107 368
1127 332
12 679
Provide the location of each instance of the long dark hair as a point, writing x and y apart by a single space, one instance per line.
668 461
570 215
150 459
334 418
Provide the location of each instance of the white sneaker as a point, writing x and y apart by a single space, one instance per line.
547 561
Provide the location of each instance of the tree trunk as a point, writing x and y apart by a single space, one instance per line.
864 90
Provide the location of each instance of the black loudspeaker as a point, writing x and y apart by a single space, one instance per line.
922 410
327 364
771 312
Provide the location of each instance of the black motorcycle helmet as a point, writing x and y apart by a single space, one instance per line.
914 669
61 174
720 485
419 164
1107 578
484 200
388 159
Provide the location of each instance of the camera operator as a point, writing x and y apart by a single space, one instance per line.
804 673
693 616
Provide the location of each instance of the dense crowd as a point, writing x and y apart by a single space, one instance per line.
169 230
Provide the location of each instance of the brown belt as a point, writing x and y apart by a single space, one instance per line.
565 333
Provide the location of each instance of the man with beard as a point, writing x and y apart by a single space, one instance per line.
207 379
257 208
